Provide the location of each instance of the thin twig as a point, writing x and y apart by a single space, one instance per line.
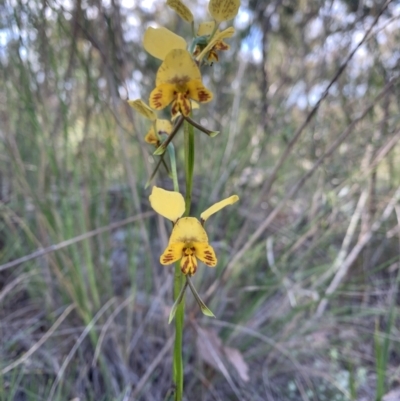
41 252
363 240
23 358
77 344
268 184
289 194
156 361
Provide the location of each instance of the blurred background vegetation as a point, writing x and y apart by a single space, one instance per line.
306 289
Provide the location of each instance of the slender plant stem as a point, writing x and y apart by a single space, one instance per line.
180 312
189 163
179 277
174 174
179 317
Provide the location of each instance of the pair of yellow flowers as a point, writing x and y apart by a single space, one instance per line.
179 81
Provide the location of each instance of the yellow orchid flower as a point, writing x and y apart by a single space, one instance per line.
223 10
215 44
188 241
162 127
160 41
178 80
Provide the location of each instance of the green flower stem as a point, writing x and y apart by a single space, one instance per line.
179 318
189 163
178 293
172 158
179 281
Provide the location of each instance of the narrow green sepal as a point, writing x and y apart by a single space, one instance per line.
176 303
202 305
195 124
160 150
155 171
172 159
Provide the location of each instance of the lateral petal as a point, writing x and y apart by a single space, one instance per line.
172 253
169 204
218 206
198 92
161 96
205 253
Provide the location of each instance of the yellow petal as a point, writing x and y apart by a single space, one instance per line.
151 137
177 68
189 265
172 253
197 91
223 10
161 96
181 10
187 230
160 41
219 36
206 28
169 204
163 126
205 253
218 206
143 109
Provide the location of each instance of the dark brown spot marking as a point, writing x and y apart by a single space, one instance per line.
203 96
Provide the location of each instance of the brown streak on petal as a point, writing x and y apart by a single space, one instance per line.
186 107
174 108
203 96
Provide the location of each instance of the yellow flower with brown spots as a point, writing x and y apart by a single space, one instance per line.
188 241
178 80
162 127
215 43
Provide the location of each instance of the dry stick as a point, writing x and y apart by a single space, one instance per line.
363 240
217 360
271 217
131 176
37 345
348 238
106 326
111 78
140 330
382 153
397 210
151 368
63 244
9 287
268 184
